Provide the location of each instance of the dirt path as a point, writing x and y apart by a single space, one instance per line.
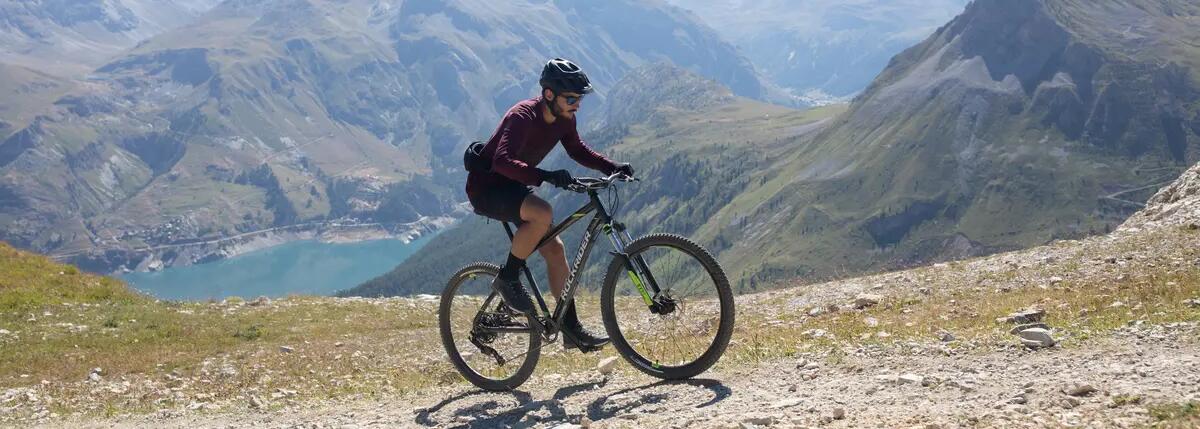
921 386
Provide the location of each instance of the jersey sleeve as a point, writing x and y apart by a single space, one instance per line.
584 155
513 133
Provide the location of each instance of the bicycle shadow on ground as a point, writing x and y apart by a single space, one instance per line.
498 411
619 402
514 409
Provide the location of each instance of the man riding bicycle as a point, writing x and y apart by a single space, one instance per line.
526 134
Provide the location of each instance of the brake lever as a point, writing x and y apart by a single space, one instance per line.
575 187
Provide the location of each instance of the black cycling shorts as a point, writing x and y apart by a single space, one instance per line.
501 201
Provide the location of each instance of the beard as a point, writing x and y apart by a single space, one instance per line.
558 112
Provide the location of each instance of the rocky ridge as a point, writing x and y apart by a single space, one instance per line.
1174 205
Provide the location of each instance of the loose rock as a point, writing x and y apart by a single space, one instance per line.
760 420
1079 389
606 365
911 379
945 336
1016 330
1071 402
866 300
1031 315
838 413
1037 338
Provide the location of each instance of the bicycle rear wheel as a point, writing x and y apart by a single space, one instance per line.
492 346
685 329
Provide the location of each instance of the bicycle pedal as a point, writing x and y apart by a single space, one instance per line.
568 345
589 349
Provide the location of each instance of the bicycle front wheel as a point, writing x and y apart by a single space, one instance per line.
492 346
682 330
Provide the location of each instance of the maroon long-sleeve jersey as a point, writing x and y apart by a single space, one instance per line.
522 141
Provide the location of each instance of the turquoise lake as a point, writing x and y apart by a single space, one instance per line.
306 267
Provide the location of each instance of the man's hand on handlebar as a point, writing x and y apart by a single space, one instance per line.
624 168
563 179
559 178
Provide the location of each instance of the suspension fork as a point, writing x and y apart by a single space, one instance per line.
635 267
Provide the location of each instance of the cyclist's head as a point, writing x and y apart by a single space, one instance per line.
563 86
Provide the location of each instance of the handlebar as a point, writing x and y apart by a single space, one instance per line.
585 184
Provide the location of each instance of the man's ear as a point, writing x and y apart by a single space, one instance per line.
548 94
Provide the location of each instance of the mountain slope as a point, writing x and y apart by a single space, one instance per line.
1016 123
831 48
695 146
68 38
1011 126
287 112
48 46
25 92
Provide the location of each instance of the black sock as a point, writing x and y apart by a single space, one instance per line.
569 316
511 268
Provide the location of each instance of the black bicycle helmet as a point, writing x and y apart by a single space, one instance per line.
564 76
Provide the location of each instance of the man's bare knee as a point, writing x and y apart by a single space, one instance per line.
537 211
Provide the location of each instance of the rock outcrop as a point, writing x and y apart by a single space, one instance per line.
1177 204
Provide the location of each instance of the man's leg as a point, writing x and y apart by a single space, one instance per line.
556 267
537 215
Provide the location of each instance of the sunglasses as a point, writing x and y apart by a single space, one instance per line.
573 99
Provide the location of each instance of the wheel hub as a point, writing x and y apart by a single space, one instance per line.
663 305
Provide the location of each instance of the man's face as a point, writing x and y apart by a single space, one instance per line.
563 106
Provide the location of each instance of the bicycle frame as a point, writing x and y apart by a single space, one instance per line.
618 236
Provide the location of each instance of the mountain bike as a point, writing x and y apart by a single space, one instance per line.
665 302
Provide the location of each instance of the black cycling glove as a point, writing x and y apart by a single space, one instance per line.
559 178
624 168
